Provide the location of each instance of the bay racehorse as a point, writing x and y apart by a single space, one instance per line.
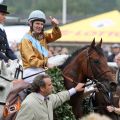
87 63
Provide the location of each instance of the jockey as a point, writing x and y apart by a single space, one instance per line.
33 46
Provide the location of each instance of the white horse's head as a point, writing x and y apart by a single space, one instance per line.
8 70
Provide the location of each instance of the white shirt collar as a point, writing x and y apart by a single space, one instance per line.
40 96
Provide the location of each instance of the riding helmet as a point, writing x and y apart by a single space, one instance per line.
37 15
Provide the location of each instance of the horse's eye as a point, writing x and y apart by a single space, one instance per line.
96 61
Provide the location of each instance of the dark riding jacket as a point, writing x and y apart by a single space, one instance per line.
5 52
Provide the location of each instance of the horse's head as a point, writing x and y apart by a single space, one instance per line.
99 67
97 63
88 62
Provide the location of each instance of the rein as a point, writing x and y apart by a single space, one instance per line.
26 76
17 72
105 92
101 87
71 80
35 73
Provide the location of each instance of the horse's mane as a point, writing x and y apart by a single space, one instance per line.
72 56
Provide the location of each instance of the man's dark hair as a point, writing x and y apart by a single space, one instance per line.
38 82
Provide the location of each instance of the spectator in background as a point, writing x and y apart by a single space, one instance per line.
50 51
117 60
115 49
57 50
64 51
34 44
5 51
116 94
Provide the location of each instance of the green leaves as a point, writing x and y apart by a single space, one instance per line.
63 112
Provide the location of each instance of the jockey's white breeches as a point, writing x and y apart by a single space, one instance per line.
31 71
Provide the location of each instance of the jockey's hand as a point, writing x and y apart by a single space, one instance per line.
79 87
54 21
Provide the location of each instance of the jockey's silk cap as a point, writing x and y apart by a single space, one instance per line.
3 9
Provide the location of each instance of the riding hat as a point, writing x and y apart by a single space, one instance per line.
3 9
37 15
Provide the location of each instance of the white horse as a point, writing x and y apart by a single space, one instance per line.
8 72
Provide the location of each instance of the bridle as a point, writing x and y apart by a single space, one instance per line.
89 62
92 76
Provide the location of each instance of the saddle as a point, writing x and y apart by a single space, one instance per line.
14 99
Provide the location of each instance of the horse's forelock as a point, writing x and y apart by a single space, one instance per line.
99 50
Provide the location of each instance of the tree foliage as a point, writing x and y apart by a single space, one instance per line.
76 8
63 112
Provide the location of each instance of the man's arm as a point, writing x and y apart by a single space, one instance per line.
56 32
61 97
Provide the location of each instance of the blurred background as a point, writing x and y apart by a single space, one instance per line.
80 21
76 10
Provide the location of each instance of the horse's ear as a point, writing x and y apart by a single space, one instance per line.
92 44
100 43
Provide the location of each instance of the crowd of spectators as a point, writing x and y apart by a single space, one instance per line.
57 51
110 51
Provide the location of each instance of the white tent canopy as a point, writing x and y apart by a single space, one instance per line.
15 33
